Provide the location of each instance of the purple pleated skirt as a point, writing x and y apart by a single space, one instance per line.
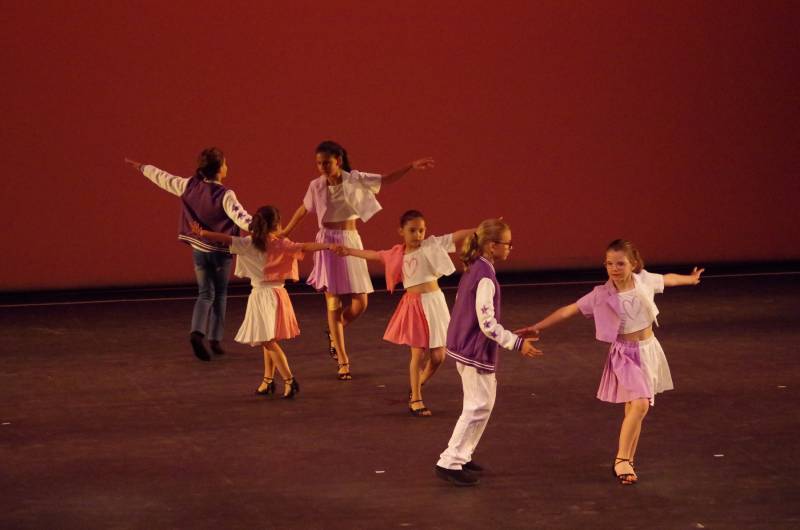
634 370
337 274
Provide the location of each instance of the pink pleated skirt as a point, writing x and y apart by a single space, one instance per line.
420 320
634 370
339 274
269 316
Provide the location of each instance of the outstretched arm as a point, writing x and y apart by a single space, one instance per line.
460 235
372 255
674 280
162 179
421 164
213 236
292 224
484 311
556 317
311 247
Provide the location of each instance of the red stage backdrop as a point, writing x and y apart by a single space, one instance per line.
674 125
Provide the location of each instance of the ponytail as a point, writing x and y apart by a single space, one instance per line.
331 148
472 248
469 250
345 161
265 221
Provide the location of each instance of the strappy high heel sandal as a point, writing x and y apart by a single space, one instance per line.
331 348
626 479
269 390
422 412
344 376
293 386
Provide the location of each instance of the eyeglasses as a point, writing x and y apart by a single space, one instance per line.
509 243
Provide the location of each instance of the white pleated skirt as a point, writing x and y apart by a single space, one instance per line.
269 316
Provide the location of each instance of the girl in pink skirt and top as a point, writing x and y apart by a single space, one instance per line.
421 318
267 260
340 196
624 311
473 337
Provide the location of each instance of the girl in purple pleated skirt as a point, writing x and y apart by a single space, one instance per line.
339 197
624 311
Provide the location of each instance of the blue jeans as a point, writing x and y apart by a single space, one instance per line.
212 270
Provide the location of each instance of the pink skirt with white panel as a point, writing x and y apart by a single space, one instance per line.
420 321
269 316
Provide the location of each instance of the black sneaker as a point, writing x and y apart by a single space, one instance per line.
216 347
200 351
472 467
459 477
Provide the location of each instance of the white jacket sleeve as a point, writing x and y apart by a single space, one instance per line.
484 309
236 211
165 181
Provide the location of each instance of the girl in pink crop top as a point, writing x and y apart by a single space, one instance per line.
421 318
267 261
636 369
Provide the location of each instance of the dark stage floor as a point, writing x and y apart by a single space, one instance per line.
108 421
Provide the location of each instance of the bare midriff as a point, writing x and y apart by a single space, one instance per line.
350 224
427 287
642 334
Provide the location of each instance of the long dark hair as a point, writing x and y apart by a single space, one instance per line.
209 162
265 221
331 148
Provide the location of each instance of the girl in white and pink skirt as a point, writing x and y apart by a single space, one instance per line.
267 260
624 311
420 320
341 196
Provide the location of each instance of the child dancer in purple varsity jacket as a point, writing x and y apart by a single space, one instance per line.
206 200
340 196
472 339
624 311
421 318
267 260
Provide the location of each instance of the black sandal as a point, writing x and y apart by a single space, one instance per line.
627 479
331 348
270 387
420 412
344 376
294 388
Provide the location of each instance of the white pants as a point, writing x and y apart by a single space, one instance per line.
480 390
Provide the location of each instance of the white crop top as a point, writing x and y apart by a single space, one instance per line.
418 267
633 315
338 208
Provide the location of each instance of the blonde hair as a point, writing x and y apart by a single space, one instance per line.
489 230
630 250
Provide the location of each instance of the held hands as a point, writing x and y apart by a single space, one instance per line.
423 163
528 350
195 226
695 275
340 250
528 333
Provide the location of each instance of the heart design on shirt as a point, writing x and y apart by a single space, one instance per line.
631 306
409 267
